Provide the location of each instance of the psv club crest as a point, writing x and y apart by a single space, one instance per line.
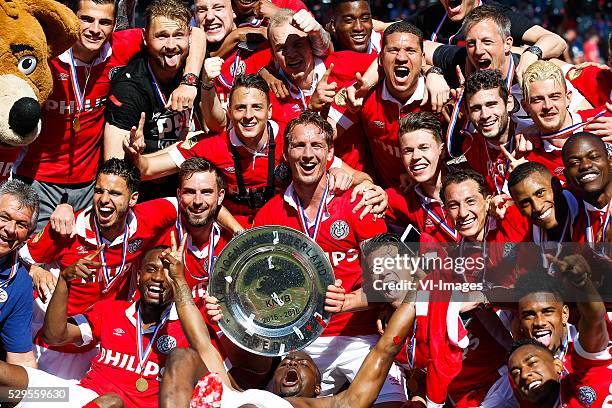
339 229
166 343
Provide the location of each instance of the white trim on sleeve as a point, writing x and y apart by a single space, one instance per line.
176 156
85 328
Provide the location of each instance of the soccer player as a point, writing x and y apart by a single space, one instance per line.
587 169
307 205
133 343
422 152
538 379
489 106
142 88
547 100
62 164
18 212
250 154
124 228
352 27
400 93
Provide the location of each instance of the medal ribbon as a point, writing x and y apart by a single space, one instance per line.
74 81
106 273
590 237
143 356
571 129
161 98
233 70
300 92
14 268
214 232
439 221
540 237
318 217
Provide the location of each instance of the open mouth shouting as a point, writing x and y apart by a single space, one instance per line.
171 59
308 168
291 378
401 73
154 292
105 215
544 336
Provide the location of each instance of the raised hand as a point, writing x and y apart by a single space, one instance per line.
513 161
134 144
84 267
172 260
325 92
335 297
356 93
304 21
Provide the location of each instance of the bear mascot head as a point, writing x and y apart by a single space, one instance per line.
31 33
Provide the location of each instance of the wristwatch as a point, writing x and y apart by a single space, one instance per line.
190 79
534 49
434 70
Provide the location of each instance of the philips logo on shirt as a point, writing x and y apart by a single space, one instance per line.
127 362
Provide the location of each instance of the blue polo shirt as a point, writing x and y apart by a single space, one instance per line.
16 311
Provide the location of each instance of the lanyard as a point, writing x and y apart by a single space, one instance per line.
571 129
143 355
541 237
590 237
439 221
14 267
318 217
106 271
498 188
485 250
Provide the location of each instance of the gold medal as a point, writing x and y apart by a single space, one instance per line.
340 98
142 385
76 124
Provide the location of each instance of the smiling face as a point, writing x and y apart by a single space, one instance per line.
352 25
167 43
152 284
111 202
467 208
547 105
292 51
542 317
421 154
486 49
296 376
402 59
97 24
535 198
215 17
458 9
307 154
15 223
200 198
489 113
249 112
587 166
534 374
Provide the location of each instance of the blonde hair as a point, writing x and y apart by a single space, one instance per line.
541 71
282 17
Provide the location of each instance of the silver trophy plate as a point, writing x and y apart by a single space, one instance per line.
271 282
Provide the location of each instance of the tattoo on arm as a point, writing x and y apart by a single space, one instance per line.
182 296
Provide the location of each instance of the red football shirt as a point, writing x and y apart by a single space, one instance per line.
61 154
254 164
340 234
145 224
412 209
487 159
379 118
8 157
115 368
593 82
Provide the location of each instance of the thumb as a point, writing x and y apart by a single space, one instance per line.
359 79
507 154
327 72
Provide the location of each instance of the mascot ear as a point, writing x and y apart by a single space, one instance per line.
59 23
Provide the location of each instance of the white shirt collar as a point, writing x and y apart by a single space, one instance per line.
289 197
418 94
130 313
235 140
105 53
548 147
424 198
84 221
374 47
203 253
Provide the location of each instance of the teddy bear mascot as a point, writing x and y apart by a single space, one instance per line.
31 32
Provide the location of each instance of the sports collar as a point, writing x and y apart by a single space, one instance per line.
130 313
374 47
289 197
549 147
203 253
319 70
234 140
418 94
105 53
424 198
84 229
